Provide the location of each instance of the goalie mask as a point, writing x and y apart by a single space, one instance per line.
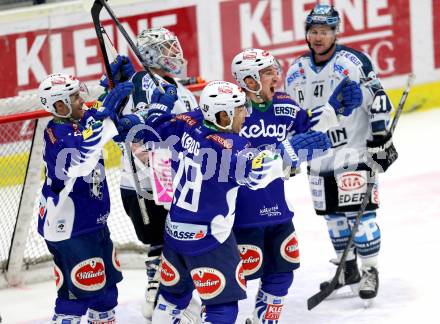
220 96
161 50
59 87
249 63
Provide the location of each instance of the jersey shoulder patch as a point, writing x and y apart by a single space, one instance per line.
187 119
220 140
357 58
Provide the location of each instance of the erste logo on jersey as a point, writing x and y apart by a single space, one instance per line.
169 275
89 274
252 258
285 110
289 249
279 131
209 282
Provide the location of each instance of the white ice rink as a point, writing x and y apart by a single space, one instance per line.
409 219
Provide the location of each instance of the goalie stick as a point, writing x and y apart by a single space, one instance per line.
317 298
95 11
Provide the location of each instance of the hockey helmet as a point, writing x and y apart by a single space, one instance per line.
323 15
249 63
220 96
161 49
59 87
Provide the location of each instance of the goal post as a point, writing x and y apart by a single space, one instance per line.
24 257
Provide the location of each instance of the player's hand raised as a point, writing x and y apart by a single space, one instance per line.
346 97
114 100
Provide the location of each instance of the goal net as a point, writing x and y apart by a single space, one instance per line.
23 253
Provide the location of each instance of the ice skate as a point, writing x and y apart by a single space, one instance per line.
369 285
153 273
348 285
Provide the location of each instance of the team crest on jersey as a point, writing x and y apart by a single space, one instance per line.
239 276
115 260
209 282
59 278
89 274
169 275
289 249
252 258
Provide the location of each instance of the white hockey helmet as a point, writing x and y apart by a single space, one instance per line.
249 63
220 96
161 49
59 87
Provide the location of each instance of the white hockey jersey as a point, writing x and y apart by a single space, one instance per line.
144 87
311 86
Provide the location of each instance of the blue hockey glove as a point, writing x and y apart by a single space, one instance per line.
382 151
114 100
125 124
351 95
122 70
305 146
163 102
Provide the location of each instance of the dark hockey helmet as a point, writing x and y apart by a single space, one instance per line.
323 15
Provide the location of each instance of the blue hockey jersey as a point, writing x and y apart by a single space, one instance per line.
74 198
209 166
268 125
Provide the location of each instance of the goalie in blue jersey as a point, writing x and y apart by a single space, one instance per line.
211 162
75 203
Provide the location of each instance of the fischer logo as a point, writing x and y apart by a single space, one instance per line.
252 258
209 282
115 260
169 275
289 249
254 131
89 275
351 181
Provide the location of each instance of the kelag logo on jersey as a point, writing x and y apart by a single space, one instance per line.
257 130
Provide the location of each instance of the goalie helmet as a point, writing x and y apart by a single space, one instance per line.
323 15
249 63
58 87
161 50
220 96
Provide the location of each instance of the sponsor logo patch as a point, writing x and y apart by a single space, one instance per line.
51 136
239 275
89 274
186 119
115 260
59 278
273 312
220 140
289 249
169 275
252 258
209 282
184 231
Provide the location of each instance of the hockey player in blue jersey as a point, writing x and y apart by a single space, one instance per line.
161 50
264 230
338 184
75 203
211 162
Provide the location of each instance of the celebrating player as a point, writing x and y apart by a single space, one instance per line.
263 227
337 182
86 266
162 52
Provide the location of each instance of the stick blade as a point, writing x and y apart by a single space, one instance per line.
317 298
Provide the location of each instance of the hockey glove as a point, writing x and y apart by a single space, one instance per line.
114 100
125 124
351 95
163 102
122 70
304 147
382 151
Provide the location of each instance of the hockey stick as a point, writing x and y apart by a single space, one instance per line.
130 43
316 299
95 11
